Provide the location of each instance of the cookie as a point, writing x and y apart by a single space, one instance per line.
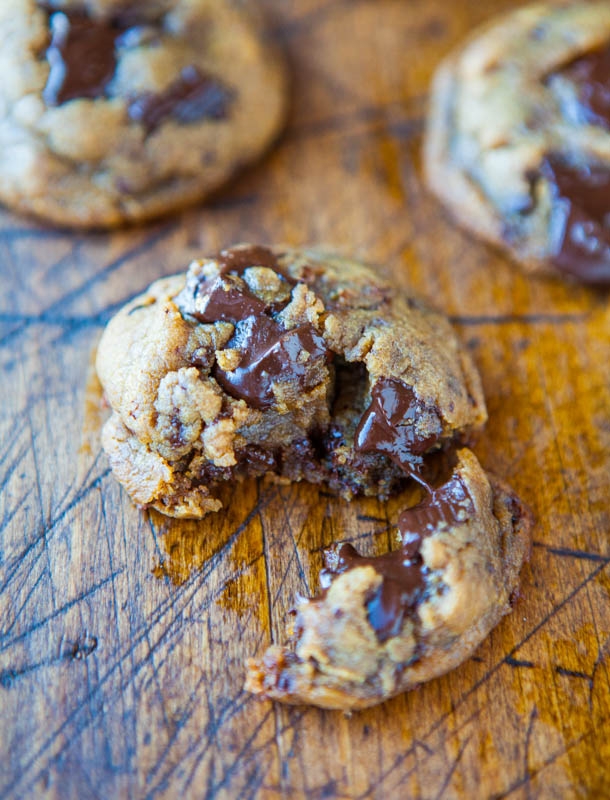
293 363
385 624
518 138
306 366
114 112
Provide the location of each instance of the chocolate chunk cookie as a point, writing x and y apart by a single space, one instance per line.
113 111
309 366
383 625
290 362
518 141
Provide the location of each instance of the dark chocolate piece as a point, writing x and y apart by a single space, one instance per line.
580 223
192 97
81 56
388 425
403 570
402 583
269 354
450 503
591 74
225 297
221 298
238 259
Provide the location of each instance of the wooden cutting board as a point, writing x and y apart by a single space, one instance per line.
123 635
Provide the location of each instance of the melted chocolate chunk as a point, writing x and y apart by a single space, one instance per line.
81 56
403 581
591 74
580 224
238 259
450 504
388 425
221 298
270 354
225 297
403 570
192 97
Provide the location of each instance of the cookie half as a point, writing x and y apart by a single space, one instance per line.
385 624
115 112
290 362
518 138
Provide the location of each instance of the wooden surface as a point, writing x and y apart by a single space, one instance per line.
123 636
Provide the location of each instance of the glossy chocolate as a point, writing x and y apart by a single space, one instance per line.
388 425
270 353
192 97
403 570
450 504
225 297
221 299
402 583
81 56
580 224
238 259
591 74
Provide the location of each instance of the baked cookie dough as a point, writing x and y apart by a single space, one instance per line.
304 365
518 139
290 362
113 111
383 625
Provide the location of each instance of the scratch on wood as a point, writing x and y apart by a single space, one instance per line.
515 662
567 552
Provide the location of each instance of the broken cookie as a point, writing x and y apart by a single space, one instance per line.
304 365
385 624
290 362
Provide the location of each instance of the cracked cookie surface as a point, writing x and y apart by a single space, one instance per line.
290 362
113 111
518 139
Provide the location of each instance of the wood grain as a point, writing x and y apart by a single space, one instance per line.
123 635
